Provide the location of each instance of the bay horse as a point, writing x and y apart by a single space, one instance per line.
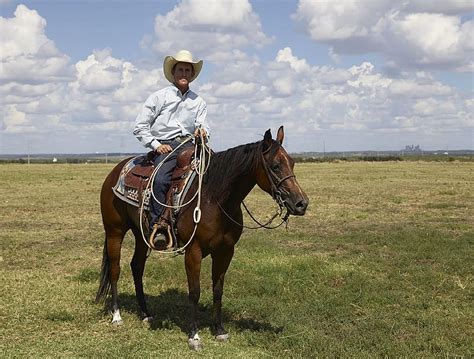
230 177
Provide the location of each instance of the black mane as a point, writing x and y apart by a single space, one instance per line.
227 166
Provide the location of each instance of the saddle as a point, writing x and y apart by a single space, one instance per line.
134 187
133 180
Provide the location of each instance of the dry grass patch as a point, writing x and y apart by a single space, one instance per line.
379 266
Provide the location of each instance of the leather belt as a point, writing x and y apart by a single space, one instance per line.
179 139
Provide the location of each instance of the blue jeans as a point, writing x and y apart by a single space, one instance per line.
162 181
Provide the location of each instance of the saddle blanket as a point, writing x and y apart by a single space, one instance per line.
130 194
133 183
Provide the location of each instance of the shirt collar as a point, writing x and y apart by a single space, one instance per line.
178 92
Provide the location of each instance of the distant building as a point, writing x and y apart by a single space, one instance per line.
55 160
413 148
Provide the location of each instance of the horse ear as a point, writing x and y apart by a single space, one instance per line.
267 139
268 135
280 135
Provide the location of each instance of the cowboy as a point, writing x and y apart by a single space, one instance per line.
167 119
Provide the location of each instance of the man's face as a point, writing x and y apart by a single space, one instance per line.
183 72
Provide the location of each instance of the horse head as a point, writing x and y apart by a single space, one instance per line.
275 175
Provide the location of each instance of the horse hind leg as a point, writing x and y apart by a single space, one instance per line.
114 240
138 267
115 220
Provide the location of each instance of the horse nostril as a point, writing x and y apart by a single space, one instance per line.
301 205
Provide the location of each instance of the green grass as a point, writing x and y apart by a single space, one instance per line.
380 266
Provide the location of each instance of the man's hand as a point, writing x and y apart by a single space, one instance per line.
200 131
162 149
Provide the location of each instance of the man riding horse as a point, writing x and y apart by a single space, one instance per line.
167 118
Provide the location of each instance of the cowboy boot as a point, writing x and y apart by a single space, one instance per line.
160 237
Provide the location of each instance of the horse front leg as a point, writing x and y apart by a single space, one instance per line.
220 263
193 258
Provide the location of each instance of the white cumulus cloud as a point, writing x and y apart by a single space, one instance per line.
410 34
212 29
236 89
286 55
42 92
26 54
101 72
93 102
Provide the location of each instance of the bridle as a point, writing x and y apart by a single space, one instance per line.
276 193
275 181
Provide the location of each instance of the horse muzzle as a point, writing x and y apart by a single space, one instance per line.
296 207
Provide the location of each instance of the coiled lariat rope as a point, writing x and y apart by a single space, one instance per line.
202 154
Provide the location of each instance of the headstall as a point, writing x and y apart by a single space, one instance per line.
273 178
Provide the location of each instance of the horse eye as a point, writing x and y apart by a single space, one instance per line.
275 167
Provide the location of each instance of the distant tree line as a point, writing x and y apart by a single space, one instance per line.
426 158
370 156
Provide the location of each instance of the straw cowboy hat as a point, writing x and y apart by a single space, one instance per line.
181 56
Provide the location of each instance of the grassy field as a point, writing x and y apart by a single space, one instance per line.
381 265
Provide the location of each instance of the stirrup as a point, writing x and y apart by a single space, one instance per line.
160 231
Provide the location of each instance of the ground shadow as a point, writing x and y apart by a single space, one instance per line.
171 308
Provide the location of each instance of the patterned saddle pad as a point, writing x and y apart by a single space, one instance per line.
133 183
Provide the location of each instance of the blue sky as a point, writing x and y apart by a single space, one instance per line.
339 75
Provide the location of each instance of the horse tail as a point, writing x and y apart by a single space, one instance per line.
104 284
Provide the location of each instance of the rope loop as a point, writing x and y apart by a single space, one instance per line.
202 154
197 215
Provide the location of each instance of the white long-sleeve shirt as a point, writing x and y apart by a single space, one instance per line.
167 114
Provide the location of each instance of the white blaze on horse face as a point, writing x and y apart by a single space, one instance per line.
116 318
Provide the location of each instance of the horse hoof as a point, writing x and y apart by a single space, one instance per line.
222 337
147 319
116 318
194 343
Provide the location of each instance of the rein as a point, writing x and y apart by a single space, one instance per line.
260 225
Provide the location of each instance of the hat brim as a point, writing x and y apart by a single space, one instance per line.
169 63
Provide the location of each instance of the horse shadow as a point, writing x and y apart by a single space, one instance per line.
171 308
